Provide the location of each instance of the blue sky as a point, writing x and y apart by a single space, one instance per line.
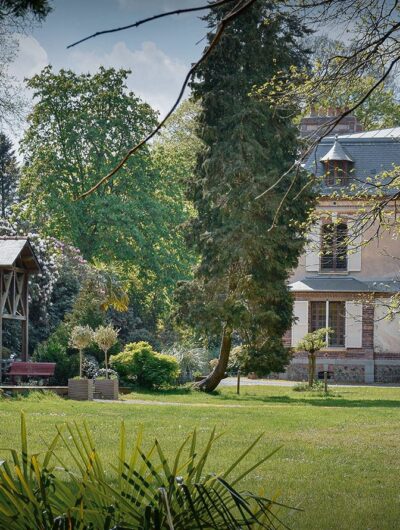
158 53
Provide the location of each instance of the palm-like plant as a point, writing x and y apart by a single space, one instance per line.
146 491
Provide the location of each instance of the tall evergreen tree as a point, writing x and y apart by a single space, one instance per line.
9 175
240 286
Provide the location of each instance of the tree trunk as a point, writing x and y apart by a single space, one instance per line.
311 368
211 382
106 363
80 364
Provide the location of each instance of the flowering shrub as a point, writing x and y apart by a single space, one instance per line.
53 290
90 366
106 374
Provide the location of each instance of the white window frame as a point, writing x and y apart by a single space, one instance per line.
327 324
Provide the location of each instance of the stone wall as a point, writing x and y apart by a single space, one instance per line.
387 373
349 374
342 373
297 372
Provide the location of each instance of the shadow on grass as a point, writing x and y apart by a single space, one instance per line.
175 391
319 401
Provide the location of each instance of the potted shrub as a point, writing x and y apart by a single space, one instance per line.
106 388
105 337
80 388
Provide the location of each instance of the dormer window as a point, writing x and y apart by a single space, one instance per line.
336 172
337 165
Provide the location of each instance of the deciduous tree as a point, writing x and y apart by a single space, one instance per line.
78 129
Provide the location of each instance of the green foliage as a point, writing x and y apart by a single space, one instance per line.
104 373
330 83
105 337
314 341
20 9
238 357
248 247
317 388
191 359
148 368
380 110
55 349
9 176
81 337
79 129
146 491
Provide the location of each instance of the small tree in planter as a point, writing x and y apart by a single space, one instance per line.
105 337
81 337
312 343
80 388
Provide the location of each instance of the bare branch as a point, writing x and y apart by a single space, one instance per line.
150 19
232 15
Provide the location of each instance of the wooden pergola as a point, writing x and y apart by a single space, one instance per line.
17 262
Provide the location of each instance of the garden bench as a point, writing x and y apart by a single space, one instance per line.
24 369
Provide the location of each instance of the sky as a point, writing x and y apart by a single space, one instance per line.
158 53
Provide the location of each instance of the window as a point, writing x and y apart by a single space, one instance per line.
337 172
334 247
329 315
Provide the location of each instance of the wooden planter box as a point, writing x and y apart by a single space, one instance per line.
80 389
106 388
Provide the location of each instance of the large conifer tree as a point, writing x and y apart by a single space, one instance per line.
240 286
9 176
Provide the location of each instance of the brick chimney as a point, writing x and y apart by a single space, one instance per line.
314 123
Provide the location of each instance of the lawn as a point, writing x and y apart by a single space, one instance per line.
340 456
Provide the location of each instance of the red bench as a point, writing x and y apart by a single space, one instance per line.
22 369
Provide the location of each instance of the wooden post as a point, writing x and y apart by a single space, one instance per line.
1 348
238 383
326 381
25 323
1 326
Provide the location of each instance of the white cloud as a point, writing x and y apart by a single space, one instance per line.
31 58
159 7
155 77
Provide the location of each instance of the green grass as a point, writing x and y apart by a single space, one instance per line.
340 459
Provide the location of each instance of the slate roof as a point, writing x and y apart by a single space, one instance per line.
12 248
372 152
343 285
336 152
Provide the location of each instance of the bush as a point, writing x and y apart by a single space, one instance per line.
55 350
145 489
148 368
105 374
90 366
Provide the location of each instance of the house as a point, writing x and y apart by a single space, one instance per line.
339 282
